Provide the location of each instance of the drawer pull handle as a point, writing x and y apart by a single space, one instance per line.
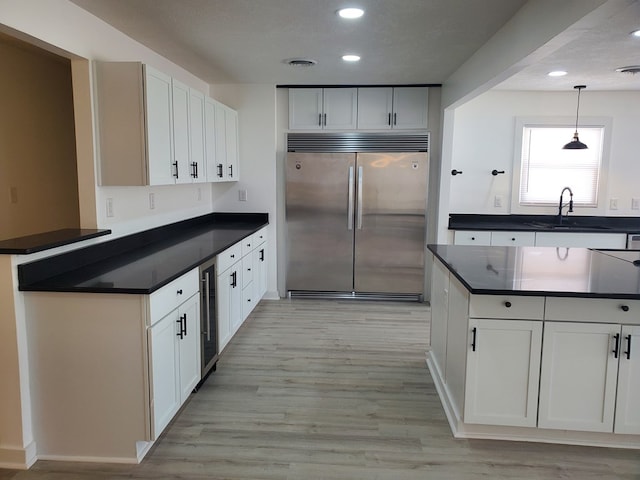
513 239
507 304
473 238
628 352
616 345
179 292
624 308
233 256
474 331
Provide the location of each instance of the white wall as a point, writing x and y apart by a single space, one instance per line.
256 107
483 140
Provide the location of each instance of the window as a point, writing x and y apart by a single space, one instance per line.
543 168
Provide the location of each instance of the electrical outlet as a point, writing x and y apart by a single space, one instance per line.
497 201
109 207
13 191
635 204
613 203
152 201
242 195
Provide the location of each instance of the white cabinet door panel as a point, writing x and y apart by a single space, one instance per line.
410 107
585 240
189 347
165 394
513 239
305 108
439 315
375 107
503 371
628 400
578 376
181 140
197 166
340 108
159 127
231 143
472 237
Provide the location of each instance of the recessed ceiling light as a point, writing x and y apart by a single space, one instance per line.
351 58
557 73
350 12
635 33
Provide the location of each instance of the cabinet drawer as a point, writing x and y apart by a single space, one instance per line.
227 258
470 237
169 297
506 306
247 270
515 239
260 237
247 245
601 310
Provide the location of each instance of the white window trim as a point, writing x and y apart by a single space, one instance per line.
557 121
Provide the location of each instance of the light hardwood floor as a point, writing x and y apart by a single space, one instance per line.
324 389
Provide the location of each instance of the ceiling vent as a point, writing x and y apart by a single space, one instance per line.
632 69
300 62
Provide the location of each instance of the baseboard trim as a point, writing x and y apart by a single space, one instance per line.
18 458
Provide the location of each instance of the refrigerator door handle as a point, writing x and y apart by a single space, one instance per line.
359 206
350 208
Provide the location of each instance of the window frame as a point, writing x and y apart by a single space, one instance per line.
561 122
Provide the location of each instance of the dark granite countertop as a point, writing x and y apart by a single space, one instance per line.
543 271
47 240
544 223
139 263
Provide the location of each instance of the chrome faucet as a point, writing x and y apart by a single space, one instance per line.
560 205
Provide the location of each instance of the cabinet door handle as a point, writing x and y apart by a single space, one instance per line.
319 119
184 323
624 308
325 119
175 164
616 345
262 255
231 171
194 171
474 333
395 119
628 352
179 334
389 121
234 279
207 300
220 170
179 292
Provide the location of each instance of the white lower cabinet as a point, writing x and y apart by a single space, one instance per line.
229 298
241 283
174 360
503 368
628 400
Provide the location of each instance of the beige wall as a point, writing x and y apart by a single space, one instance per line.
37 143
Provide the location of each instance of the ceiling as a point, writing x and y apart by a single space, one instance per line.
400 41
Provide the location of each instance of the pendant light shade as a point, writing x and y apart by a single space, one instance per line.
576 144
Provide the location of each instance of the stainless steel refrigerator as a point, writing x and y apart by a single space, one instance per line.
356 221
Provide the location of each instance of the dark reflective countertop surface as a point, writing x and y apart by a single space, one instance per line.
140 263
48 240
544 223
548 271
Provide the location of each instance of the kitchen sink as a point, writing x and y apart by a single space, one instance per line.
565 226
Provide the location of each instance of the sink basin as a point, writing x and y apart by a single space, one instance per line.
565 226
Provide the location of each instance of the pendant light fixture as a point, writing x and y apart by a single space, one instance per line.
576 144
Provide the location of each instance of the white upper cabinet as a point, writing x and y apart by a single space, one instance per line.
386 108
323 108
181 139
155 130
197 166
221 142
410 106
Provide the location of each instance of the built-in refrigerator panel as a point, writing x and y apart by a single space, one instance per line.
391 191
319 212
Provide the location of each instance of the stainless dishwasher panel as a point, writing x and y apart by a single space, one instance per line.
633 241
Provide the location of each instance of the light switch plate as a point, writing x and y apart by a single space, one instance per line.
613 203
109 207
635 204
242 195
497 201
152 201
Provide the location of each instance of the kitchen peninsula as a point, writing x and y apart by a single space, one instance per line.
114 330
537 343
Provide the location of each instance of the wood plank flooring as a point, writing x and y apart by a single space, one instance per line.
326 389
